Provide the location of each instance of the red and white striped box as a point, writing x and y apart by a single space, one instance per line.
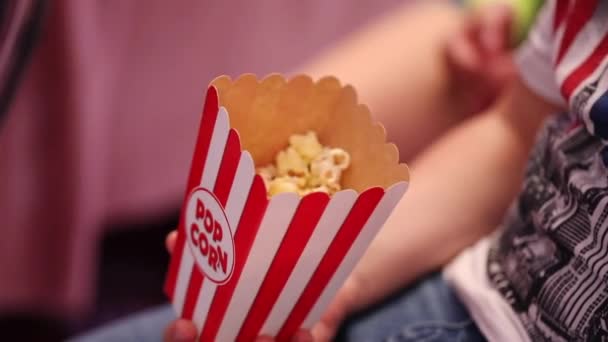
245 264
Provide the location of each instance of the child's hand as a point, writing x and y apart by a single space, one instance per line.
479 57
170 241
181 330
342 305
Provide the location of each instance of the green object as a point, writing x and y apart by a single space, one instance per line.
525 14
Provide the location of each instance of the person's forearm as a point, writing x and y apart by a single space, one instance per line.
397 66
459 191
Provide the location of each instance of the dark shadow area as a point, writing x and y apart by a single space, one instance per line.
132 266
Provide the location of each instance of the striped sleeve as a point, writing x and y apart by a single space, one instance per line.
534 58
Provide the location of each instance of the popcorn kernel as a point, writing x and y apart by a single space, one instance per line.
306 145
268 173
305 166
281 185
289 160
340 158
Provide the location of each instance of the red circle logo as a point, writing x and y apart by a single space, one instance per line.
209 236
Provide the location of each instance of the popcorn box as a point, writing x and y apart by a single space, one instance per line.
246 264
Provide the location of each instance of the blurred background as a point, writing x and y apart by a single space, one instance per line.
99 104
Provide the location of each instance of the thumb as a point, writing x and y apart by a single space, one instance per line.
180 331
170 241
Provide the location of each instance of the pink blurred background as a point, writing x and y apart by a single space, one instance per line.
95 149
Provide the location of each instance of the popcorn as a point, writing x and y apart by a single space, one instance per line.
328 189
321 188
340 158
323 169
289 162
305 166
306 145
282 184
268 173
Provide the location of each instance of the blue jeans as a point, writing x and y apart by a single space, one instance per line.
428 311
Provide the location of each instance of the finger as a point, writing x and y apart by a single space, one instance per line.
170 241
303 336
495 22
180 331
503 69
336 312
264 339
462 53
465 45
322 333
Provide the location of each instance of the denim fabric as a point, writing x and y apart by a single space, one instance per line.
146 326
428 311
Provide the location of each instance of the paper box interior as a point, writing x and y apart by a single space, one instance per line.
246 264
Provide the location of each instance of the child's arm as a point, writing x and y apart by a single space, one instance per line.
459 192
401 68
